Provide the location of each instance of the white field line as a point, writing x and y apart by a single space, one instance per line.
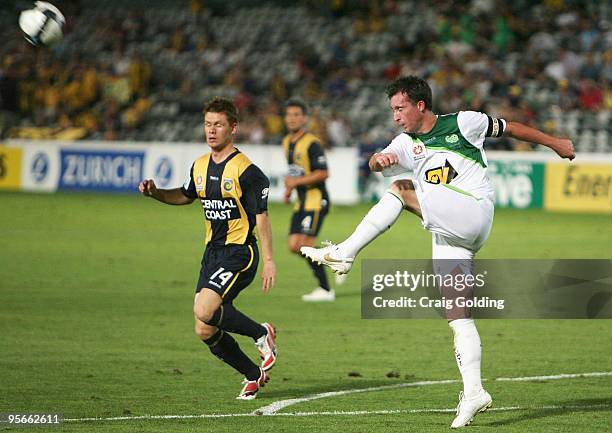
555 377
449 410
271 410
279 405
344 413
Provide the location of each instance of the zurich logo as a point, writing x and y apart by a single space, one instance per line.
40 167
163 171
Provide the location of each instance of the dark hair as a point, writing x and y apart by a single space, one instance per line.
222 105
414 87
295 102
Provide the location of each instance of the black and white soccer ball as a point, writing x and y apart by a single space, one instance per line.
42 25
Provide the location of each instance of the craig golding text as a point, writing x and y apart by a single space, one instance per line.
445 303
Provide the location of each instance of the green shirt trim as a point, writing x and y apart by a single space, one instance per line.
446 135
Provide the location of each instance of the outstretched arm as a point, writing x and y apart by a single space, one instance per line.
562 146
264 230
169 196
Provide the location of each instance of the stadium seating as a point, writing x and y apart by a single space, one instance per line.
337 61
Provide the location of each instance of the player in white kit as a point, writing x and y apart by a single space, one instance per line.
452 195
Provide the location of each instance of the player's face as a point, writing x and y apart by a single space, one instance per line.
218 131
295 119
406 113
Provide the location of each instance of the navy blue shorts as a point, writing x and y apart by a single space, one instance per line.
228 269
307 222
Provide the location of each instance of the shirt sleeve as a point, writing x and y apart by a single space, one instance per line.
255 188
188 189
476 126
402 147
317 157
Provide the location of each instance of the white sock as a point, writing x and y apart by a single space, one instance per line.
467 353
378 220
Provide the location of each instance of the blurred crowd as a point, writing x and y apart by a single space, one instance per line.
144 74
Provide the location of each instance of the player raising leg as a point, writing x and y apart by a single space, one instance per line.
450 193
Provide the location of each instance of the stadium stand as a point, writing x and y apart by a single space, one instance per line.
143 72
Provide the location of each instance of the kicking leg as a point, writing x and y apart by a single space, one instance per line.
381 216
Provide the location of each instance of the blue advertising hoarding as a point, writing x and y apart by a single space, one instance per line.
100 170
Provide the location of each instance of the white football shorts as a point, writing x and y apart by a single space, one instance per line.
459 222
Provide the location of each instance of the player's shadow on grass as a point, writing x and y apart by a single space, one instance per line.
560 408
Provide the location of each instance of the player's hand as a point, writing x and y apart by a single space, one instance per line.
268 276
566 149
287 195
386 159
147 188
291 182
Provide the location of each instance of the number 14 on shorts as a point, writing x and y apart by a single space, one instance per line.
221 277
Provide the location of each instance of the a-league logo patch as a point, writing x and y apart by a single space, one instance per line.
418 150
228 185
199 183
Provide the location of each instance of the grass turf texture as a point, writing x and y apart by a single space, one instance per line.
96 321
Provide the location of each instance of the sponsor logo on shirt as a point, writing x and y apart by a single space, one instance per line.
220 210
453 138
441 175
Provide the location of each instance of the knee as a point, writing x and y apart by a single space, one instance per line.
402 187
294 246
203 313
204 331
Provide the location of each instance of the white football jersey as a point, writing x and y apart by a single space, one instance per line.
450 154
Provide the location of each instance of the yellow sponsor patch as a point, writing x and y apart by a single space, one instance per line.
440 175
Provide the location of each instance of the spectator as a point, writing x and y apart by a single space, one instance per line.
591 96
338 130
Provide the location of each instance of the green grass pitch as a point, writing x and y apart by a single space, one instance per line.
96 297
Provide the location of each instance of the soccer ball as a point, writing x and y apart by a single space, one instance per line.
43 24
